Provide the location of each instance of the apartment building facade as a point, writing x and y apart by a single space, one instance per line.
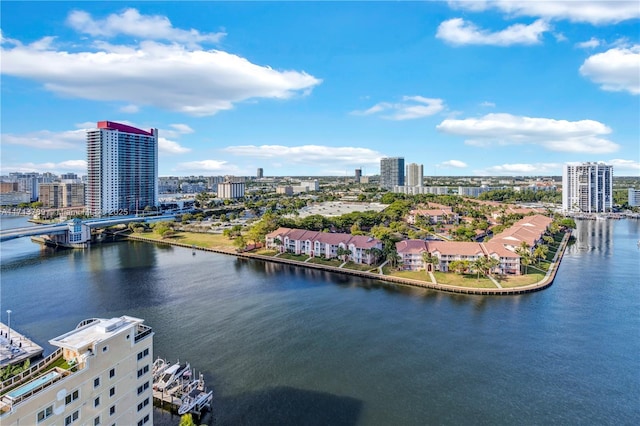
106 379
587 187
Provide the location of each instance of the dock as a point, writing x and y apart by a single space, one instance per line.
184 395
16 348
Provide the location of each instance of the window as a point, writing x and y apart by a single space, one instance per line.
112 410
71 397
143 371
143 404
112 373
143 354
143 388
96 402
112 391
96 382
96 421
106 348
46 413
144 420
71 418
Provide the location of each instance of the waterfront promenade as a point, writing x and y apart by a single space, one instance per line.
540 285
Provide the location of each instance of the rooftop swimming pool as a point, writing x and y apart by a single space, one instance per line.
17 393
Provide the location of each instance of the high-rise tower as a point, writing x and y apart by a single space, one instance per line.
122 166
587 187
415 173
391 172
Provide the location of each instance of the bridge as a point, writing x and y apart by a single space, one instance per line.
73 233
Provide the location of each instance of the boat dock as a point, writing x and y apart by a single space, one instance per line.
176 389
15 348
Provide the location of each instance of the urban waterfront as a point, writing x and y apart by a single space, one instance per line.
286 345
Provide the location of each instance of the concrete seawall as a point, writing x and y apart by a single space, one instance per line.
540 285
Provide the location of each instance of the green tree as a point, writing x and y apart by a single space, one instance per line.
479 266
240 243
187 420
540 252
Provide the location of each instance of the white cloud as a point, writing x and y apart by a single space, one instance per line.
624 165
130 109
584 136
488 104
46 139
78 166
319 156
589 44
525 169
452 163
411 107
616 70
166 146
208 166
131 23
182 128
169 76
460 32
596 12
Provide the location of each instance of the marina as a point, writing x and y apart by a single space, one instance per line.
175 389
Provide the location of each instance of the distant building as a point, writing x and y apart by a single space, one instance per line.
474 191
168 184
634 197
193 188
358 175
415 174
391 172
106 379
231 190
285 190
6 187
587 187
306 186
260 173
60 194
122 164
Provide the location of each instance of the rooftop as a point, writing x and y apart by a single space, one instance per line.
93 331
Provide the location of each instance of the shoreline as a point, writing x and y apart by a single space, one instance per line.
530 288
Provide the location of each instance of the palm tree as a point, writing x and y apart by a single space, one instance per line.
540 252
479 265
278 242
492 263
376 253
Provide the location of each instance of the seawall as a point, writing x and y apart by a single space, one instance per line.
540 285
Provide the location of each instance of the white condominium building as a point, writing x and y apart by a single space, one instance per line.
415 174
100 375
122 166
587 187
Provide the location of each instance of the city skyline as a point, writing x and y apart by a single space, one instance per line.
303 89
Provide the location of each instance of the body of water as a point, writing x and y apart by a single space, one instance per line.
284 345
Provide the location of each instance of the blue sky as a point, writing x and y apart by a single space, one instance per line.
321 88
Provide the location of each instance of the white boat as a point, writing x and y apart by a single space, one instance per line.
158 368
171 375
196 399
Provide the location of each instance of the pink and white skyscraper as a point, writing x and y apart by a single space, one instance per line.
122 168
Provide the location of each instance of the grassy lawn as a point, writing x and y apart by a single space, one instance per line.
193 238
323 261
521 280
359 267
412 275
265 252
292 256
464 280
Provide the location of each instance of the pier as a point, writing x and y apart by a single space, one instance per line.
15 348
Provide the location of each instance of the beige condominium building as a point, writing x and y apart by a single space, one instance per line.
100 375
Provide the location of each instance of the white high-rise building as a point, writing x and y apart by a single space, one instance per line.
633 197
415 175
587 187
122 164
106 379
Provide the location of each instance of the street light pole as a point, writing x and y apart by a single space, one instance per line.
9 325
